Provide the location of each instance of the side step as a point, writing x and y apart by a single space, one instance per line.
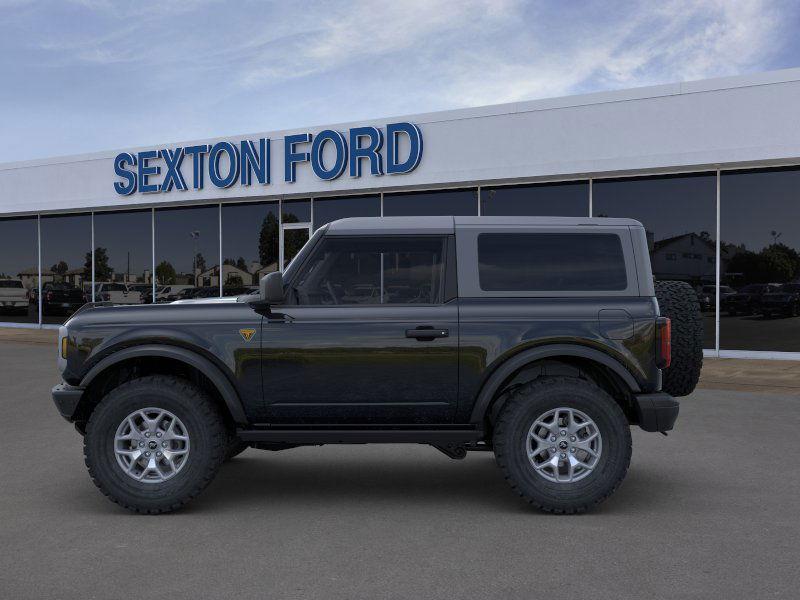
361 436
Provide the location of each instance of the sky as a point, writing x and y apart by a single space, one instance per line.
81 76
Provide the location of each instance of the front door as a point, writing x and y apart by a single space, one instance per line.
366 336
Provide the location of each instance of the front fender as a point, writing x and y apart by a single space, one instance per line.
214 373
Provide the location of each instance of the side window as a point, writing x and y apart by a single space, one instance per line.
544 262
373 270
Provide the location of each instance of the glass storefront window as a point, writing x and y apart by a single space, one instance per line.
296 211
331 209
679 215
19 270
567 199
443 202
123 257
760 260
187 252
66 265
249 245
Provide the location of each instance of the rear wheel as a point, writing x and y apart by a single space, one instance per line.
563 444
154 443
678 301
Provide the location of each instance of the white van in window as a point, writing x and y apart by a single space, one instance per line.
13 296
170 292
118 293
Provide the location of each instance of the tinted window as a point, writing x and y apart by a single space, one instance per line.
366 270
11 283
447 202
249 244
679 214
296 211
66 261
570 199
330 209
550 262
123 248
760 244
19 266
187 246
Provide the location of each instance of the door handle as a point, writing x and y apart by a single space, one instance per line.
426 333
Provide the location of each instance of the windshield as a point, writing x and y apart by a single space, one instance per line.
300 257
791 287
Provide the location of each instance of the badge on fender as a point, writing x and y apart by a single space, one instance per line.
247 334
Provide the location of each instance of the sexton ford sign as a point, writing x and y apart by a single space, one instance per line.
225 164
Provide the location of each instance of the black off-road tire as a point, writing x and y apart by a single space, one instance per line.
207 436
678 301
235 448
527 403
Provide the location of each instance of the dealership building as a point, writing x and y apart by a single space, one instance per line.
711 168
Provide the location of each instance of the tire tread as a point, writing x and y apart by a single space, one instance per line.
207 411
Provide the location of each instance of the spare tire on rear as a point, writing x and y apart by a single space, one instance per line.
678 301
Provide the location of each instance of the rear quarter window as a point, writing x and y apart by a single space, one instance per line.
538 262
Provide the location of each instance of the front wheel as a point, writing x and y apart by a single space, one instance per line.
154 443
563 444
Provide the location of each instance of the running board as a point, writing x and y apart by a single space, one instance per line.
361 436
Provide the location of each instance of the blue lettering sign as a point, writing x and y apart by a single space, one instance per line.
146 171
371 151
414 135
127 188
233 164
255 162
292 157
173 176
317 148
197 153
227 163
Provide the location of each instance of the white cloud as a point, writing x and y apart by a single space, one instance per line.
678 40
199 68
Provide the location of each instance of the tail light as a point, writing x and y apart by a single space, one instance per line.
663 342
106 297
49 296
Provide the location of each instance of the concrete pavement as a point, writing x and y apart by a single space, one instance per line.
709 512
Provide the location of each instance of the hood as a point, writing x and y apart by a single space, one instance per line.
224 300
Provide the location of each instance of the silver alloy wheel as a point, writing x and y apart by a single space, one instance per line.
151 445
563 445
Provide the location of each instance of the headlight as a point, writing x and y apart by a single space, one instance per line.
62 348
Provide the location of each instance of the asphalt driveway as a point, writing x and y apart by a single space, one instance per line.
712 511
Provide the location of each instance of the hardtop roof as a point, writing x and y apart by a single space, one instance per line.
431 225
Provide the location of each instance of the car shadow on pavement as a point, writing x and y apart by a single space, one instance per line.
476 482
315 481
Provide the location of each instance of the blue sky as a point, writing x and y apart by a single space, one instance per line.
85 75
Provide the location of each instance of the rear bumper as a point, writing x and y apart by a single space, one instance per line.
657 411
66 399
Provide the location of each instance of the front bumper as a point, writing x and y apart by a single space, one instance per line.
657 411
67 398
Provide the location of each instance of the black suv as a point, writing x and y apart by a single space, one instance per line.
540 339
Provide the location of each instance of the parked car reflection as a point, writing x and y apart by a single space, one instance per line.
747 301
58 298
785 301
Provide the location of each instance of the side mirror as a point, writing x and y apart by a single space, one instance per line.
271 287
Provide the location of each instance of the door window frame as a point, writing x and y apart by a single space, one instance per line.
447 276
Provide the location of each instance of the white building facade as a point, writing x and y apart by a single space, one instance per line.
712 169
